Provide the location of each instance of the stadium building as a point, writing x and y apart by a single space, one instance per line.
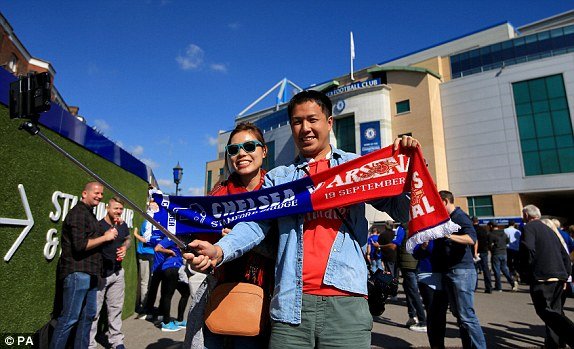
492 110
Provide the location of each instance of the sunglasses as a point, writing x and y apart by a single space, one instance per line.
249 147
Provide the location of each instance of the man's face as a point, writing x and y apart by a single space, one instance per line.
115 210
92 195
310 128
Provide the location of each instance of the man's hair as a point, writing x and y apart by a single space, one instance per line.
447 196
311 96
389 225
511 223
116 199
90 185
531 211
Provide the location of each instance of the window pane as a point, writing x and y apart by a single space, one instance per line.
546 143
523 108
540 106
529 145
558 104
566 156
555 86
537 90
550 164
483 200
565 141
484 211
345 133
403 106
543 125
521 93
526 127
531 163
561 122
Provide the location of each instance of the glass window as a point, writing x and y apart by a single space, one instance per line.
221 171
269 161
480 206
209 173
345 133
546 136
403 106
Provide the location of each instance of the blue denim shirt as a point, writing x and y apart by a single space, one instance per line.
346 267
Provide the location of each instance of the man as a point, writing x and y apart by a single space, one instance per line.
512 249
452 257
482 251
112 286
374 251
497 241
319 290
79 268
545 264
388 249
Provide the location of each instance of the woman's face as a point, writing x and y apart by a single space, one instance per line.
245 163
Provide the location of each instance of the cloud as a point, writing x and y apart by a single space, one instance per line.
218 67
212 140
165 183
101 125
137 150
194 191
150 163
234 25
193 58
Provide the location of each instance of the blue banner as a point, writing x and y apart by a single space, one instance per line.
370 137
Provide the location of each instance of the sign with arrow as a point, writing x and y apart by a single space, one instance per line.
28 223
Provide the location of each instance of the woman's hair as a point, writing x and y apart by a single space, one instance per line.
247 126
241 127
550 224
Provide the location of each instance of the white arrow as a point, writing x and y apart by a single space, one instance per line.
29 223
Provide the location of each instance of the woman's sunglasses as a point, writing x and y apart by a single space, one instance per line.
249 147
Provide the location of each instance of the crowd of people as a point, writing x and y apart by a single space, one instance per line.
314 294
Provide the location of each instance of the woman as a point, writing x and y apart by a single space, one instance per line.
244 153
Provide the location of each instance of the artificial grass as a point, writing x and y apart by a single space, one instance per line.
27 281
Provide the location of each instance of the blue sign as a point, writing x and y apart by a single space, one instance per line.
370 137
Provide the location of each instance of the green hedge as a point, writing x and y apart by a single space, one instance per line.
27 281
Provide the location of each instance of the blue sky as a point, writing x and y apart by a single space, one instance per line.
162 77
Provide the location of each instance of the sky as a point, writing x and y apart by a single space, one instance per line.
162 77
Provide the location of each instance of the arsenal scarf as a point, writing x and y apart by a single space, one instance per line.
380 174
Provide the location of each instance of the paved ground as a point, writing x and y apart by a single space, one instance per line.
507 318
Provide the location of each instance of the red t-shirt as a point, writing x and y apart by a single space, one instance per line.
319 232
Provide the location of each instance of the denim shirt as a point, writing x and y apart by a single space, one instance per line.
346 268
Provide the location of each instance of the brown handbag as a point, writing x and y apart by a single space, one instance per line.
237 309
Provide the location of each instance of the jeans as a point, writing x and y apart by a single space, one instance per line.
78 288
414 303
485 271
459 284
498 264
376 264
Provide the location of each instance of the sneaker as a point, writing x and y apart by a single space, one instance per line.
121 346
142 316
170 327
412 321
515 287
180 324
420 327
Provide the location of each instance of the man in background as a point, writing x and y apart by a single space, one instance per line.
79 268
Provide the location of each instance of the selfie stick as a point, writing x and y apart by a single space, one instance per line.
33 129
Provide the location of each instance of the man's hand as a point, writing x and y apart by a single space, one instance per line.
121 252
208 255
225 231
110 234
405 142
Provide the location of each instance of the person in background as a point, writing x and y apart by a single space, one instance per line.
497 241
111 290
170 281
545 265
482 251
374 250
79 268
389 249
513 235
144 255
245 152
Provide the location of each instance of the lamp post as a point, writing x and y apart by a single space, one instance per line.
177 174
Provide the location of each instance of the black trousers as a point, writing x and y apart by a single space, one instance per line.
547 300
436 304
170 283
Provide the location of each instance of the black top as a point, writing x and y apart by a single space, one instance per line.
497 240
481 239
447 254
542 255
110 264
79 226
385 237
